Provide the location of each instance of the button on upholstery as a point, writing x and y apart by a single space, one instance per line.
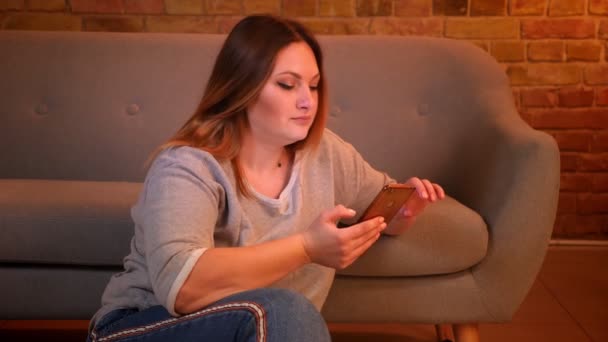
41 109
132 109
423 109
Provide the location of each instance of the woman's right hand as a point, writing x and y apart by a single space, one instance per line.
330 246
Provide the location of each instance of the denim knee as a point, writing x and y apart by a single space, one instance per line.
270 315
290 316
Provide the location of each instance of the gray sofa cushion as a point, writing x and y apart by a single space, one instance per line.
65 222
89 223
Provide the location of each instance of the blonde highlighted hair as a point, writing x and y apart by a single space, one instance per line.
241 69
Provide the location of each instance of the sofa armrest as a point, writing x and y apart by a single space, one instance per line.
514 186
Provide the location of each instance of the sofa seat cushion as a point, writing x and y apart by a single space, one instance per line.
66 222
447 237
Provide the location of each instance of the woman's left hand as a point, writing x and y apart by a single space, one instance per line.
425 194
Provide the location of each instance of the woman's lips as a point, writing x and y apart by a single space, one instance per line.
303 119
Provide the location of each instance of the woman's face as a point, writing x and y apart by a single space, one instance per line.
286 107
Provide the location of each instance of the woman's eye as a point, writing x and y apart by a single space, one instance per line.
285 86
314 88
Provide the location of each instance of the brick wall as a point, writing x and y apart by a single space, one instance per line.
554 51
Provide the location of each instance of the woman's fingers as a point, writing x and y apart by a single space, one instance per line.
430 190
439 191
377 225
426 189
420 188
359 250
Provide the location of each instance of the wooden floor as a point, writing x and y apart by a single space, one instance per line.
568 303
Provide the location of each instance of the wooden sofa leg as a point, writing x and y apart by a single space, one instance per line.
468 332
444 332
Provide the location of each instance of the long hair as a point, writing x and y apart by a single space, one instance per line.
242 67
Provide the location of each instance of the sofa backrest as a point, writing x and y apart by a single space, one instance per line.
93 106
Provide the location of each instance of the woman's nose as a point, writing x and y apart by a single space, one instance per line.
305 100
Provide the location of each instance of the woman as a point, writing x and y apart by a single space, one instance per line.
235 228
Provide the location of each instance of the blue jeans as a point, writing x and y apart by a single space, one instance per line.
269 315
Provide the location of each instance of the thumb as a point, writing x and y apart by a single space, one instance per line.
336 213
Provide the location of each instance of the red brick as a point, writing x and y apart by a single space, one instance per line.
223 7
508 51
592 203
544 74
598 7
587 118
337 25
7 5
46 5
539 97
487 7
599 182
603 31
566 203
588 51
576 182
262 6
546 51
596 74
527 7
576 97
114 24
591 226
413 8
225 24
450 7
560 8
404 27
599 142
568 161
558 28
144 6
299 8
486 28
573 141
191 24
337 8
593 161
516 98
563 226
43 22
94 6
180 7
601 96
369 8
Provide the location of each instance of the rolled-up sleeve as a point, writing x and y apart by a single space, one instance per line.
177 216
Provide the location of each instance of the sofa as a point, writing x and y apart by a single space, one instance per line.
81 112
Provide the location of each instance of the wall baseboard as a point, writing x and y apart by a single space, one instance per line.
573 242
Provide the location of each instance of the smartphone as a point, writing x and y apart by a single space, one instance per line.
388 202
